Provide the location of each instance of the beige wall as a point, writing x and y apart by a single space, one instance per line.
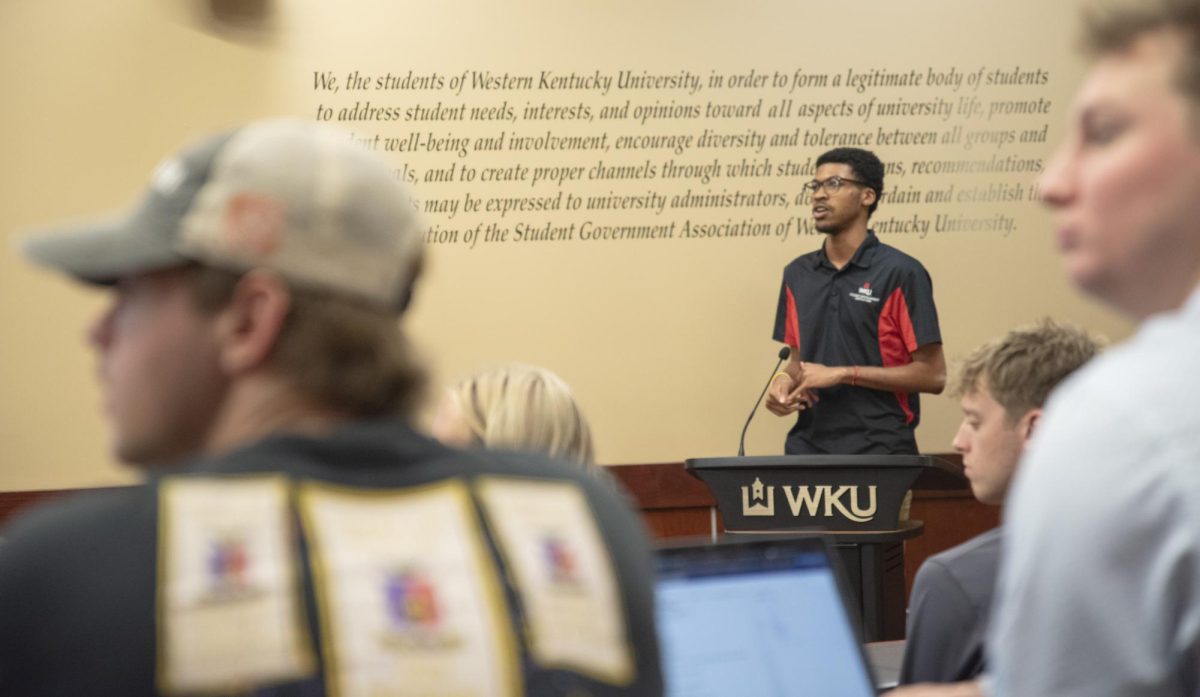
667 341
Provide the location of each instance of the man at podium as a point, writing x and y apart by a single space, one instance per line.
860 319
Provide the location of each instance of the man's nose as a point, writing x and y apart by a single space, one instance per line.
1056 186
960 442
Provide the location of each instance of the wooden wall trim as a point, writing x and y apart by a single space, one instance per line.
662 485
654 487
675 504
13 502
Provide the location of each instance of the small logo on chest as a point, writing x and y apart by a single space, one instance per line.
865 294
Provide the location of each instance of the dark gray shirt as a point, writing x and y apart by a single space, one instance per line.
948 612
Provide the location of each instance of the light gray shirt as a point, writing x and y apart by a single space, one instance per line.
1099 590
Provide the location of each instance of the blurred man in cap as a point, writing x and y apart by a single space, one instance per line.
296 536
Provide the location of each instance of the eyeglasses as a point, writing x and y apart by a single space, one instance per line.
832 184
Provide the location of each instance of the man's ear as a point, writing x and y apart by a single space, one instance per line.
869 196
1028 422
250 325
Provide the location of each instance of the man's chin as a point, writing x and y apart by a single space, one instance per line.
129 458
143 458
1093 283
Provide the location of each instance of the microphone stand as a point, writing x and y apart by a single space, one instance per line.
783 356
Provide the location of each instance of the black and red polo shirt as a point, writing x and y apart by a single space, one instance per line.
877 310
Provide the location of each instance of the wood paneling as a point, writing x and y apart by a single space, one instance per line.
675 504
13 502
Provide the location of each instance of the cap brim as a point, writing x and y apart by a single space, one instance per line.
104 251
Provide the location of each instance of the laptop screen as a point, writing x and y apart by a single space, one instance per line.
758 618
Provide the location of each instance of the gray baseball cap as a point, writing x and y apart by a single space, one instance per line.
301 199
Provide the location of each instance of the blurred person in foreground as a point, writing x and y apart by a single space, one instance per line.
1099 590
1002 388
295 535
515 407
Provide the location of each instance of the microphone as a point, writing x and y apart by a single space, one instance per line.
783 356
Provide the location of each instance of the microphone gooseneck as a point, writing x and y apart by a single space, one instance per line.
784 353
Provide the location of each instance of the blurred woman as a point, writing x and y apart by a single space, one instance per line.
515 407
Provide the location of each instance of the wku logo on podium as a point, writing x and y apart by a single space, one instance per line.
817 501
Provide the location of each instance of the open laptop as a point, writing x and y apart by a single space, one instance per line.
763 616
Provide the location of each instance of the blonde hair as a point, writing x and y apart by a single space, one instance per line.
1110 27
1021 368
524 407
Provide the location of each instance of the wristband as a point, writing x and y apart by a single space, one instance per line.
854 377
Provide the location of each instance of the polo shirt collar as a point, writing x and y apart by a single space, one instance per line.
862 256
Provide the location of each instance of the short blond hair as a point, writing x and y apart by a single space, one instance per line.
1021 368
524 407
1113 26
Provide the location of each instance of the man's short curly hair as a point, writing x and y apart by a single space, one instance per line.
1020 369
866 166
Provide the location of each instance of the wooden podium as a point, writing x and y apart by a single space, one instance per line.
855 499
